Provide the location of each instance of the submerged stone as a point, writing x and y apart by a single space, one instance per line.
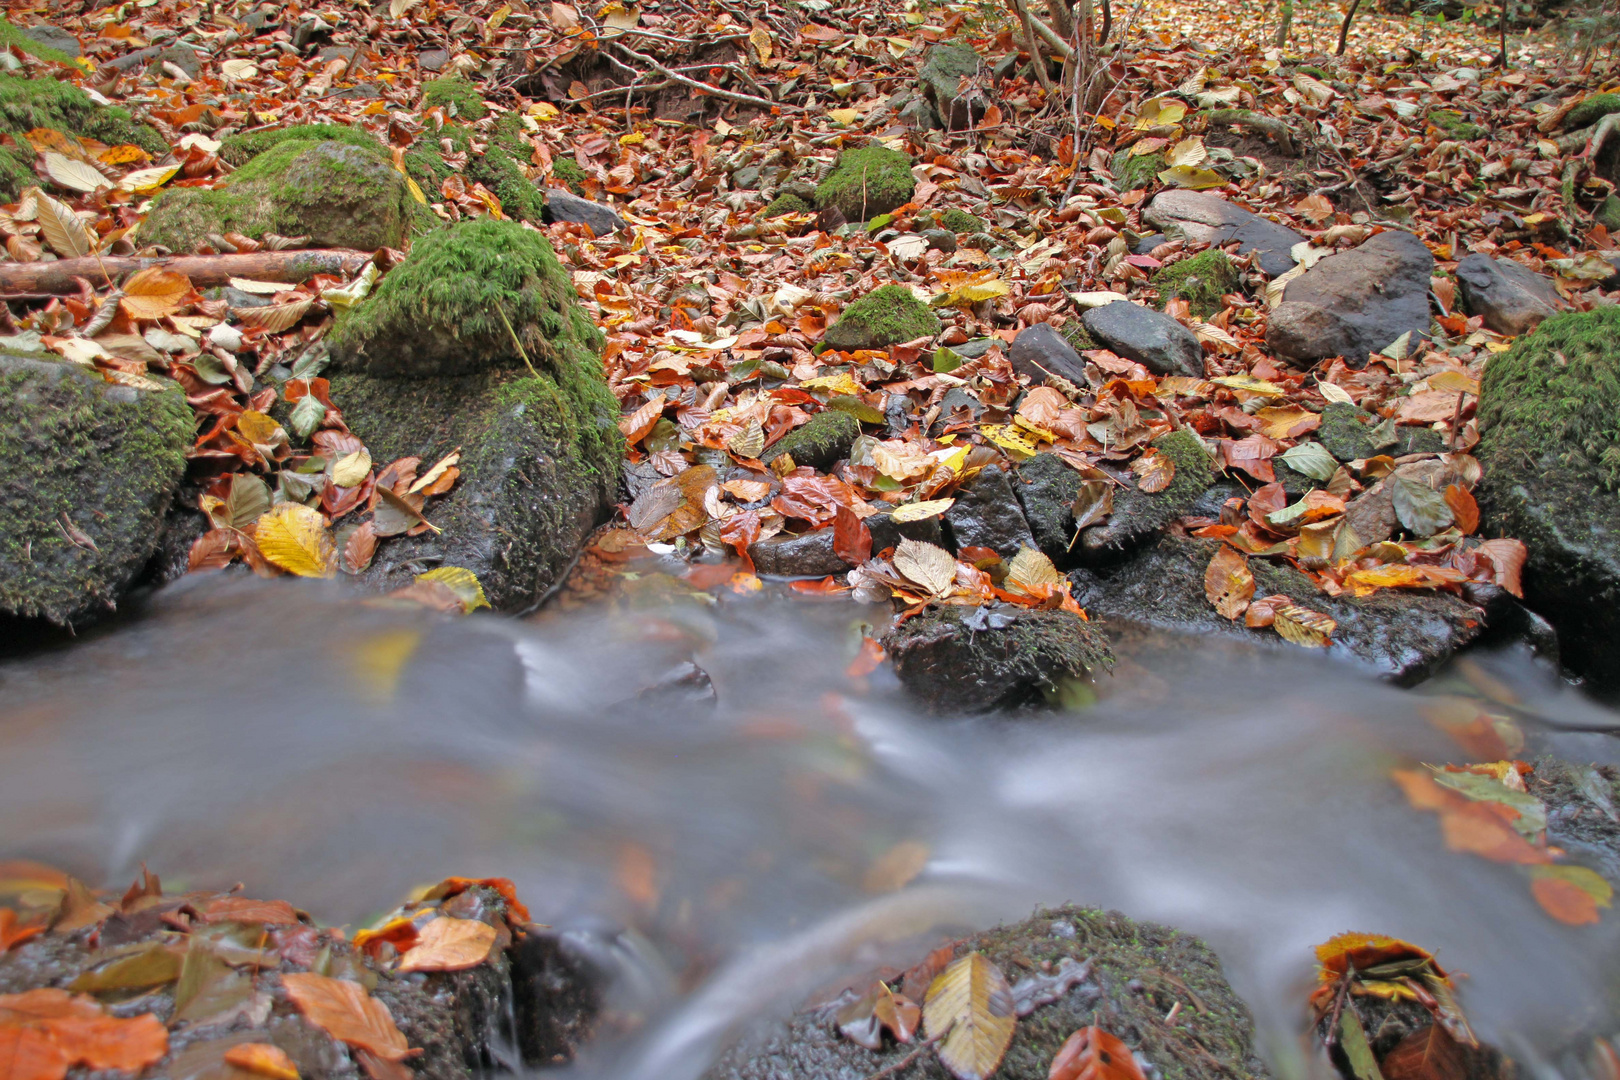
88 469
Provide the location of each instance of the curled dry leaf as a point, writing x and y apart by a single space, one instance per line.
1154 470
1302 626
273 318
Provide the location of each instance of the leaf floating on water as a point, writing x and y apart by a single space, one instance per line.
926 564
448 944
1094 1054
294 537
1228 583
970 1006
345 1011
1570 894
263 1059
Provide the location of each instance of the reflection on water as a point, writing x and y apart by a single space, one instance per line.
752 838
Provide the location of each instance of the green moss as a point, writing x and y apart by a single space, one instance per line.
867 182
1608 214
459 98
442 310
26 104
238 150
1201 281
107 457
567 172
787 203
1136 171
424 161
820 443
1591 110
885 316
15 174
13 36
1138 515
960 221
1456 125
1079 338
500 168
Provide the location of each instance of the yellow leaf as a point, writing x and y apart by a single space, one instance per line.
760 39
154 293
1189 152
64 230
463 582
974 293
416 191
438 470
1186 176
749 442
1007 437
928 565
352 469
1250 384
148 180
843 117
841 383
970 1006
1031 569
294 537
1228 583
544 110
917 511
1160 111
1302 626
1280 420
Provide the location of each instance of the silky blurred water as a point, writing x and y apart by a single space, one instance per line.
741 852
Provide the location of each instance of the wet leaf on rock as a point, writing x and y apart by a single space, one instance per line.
461 581
294 537
1154 471
447 944
1421 510
1094 1054
348 1013
1228 583
1302 626
970 1006
264 1059
926 564
1427 1054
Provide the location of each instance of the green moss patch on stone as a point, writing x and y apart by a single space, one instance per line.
26 104
338 194
13 36
1608 214
1201 281
104 457
238 150
1138 515
953 78
787 203
500 168
820 443
459 98
867 182
960 221
1136 171
567 172
887 315
1591 110
1456 125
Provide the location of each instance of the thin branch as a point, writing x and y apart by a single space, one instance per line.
695 84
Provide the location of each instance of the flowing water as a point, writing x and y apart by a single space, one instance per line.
738 848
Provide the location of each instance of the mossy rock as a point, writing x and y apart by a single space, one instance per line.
1549 417
1608 214
787 203
337 194
1046 486
1456 125
1139 972
500 167
567 172
1138 515
106 459
26 104
962 222
1136 171
942 76
463 301
1591 110
887 315
1201 281
459 98
821 443
867 182
238 150
12 36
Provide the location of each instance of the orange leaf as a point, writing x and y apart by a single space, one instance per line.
264 1059
1154 471
1360 951
1568 903
108 1042
1093 1054
345 1011
1463 508
1429 1054
447 944
1228 583
12 934
1507 557
241 909
453 885
27 1053
154 292
636 426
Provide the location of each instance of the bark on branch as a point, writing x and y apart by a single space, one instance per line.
1274 129
205 271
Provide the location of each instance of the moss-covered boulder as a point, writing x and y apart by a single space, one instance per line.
1456 125
26 104
1549 418
1201 281
960 221
1133 171
43 42
1139 515
960 659
567 172
87 470
500 167
1138 973
887 315
1591 110
459 98
238 150
866 182
337 193
821 443
432 361
957 81
786 203
1402 635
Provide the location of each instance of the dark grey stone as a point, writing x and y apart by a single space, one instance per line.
564 205
887 532
1039 350
806 555
52 37
1145 244
1355 303
940 239
183 57
432 59
1151 338
1201 218
988 514
1046 486
966 660
954 79
1511 298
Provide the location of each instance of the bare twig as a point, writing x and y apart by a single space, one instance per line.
696 84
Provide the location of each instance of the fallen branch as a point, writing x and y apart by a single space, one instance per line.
1275 130
205 271
1060 47
707 88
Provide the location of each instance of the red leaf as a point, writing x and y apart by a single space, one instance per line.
852 540
1430 1054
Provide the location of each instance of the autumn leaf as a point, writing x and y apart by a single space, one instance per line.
1302 626
294 538
345 1011
1570 894
447 944
929 565
1426 1054
1154 470
263 1059
1093 1054
1228 583
154 293
852 540
970 1006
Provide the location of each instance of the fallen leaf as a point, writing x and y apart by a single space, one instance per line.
345 1011
970 1007
852 540
927 564
1570 894
294 538
447 944
263 1059
1093 1054
1154 471
1302 626
1427 1054
1228 582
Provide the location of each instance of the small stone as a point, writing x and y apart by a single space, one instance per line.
1355 303
1039 351
807 555
1201 218
987 514
1512 299
821 443
746 178
887 532
52 37
1151 338
563 205
432 59
940 239
866 182
954 79
970 659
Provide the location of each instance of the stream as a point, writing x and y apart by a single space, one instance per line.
738 845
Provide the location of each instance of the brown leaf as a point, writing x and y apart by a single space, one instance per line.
1093 1054
1507 558
447 944
345 1011
1228 582
154 293
1429 1054
359 548
1464 510
852 540
1154 471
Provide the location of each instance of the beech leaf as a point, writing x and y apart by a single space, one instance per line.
970 1007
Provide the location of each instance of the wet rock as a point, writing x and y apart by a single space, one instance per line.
887 532
1548 437
1151 338
987 514
88 469
1355 303
564 205
1145 244
1512 299
1345 431
805 555
1137 974
954 78
1402 636
821 443
1579 799
183 57
957 404
1046 486
970 659
866 182
684 689
52 37
887 315
940 240
1039 351
1138 515
1201 218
